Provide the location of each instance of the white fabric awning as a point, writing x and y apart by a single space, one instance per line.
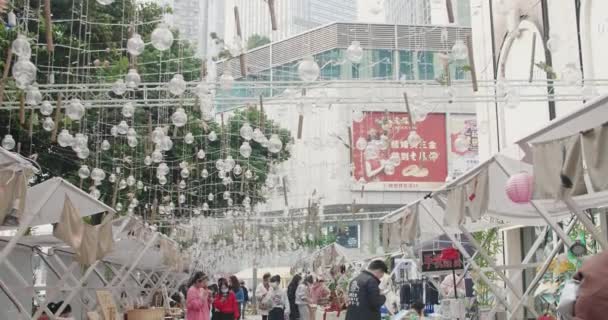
14 161
45 201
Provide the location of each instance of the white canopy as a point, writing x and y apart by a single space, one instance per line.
15 161
45 201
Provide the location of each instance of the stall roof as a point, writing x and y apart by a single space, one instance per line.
15 161
45 201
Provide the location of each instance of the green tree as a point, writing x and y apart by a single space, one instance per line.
256 40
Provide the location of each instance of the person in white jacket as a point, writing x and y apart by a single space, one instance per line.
279 301
261 293
303 298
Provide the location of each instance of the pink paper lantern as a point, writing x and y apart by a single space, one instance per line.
519 187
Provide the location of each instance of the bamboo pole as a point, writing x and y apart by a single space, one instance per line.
237 20
57 119
472 64
48 23
7 67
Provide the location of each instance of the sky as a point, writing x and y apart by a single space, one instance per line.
365 8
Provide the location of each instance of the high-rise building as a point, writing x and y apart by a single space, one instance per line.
424 12
293 16
197 19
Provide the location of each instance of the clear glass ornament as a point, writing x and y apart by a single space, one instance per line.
122 127
135 45
196 211
237 170
162 180
157 156
419 114
11 20
119 87
24 72
308 70
105 2
185 173
357 115
182 184
212 136
8 142
512 98
105 145
148 160
179 117
161 37
265 142
226 195
275 144
236 47
131 180
461 144
95 193
229 202
75 109
571 74
361 143
376 7
177 85
33 97
205 206
414 139
131 133
162 169
200 154
114 131
83 153
554 43
210 197
84 172
132 79
132 142
219 164
21 47
248 174
122 184
354 52
64 138
181 199
183 164
459 50
140 185
80 142
48 124
246 131
157 135
97 174
112 178
204 173
226 80
128 109
46 108
258 135
166 144
245 150
229 163
189 138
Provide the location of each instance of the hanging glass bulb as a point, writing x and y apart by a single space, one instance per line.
196 211
189 138
179 117
265 142
114 131
226 80
24 72
131 180
212 136
132 79
461 144
64 138
571 74
46 108
413 139
83 153
162 180
97 174
119 87
204 174
75 109
105 2
236 47
166 144
182 184
21 47
157 135
229 163
8 142
554 43
112 178
308 70
163 169
157 156
79 142
135 45
95 193
376 7
354 52
219 164
237 170
419 114
275 144
245 150
140 185
128 109
512 98
122 184
11 20
358 115
361 143
202 90
185 173
48 124
148 160
84 172
181 199
200 154
161 37
248 174
132 142
205 206
226 195
122 127
177 85
210 197
105 145
229 202
33 97
246 131
459 50
258 135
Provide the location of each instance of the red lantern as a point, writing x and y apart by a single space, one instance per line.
519 187
450 254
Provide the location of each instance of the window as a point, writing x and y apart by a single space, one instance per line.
406 65
426 67
382 62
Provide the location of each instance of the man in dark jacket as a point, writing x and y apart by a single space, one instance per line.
364 298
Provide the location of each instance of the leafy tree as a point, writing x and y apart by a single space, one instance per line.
256 40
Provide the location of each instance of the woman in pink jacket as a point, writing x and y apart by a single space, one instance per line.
198 299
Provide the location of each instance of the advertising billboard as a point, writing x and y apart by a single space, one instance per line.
464 144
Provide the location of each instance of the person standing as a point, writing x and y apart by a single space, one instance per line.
364 295
303 298
246 294
225 304
198 298
235 286
279 301
291 295
261 294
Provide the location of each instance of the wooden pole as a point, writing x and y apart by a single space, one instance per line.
301 119
285 191
239 33
7 67
472 64
57 119
409 110
350 144
49 26
261 113
532 57
450 9
22 109
273 17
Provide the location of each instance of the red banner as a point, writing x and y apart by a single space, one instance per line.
385 158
